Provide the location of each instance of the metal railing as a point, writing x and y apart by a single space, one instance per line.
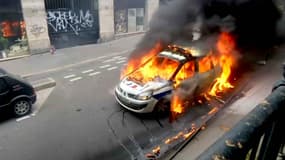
258 136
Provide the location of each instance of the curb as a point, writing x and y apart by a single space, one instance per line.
123 35
43 84
14 58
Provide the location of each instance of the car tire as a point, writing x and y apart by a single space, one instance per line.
22 107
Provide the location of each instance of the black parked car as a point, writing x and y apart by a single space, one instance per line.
16 94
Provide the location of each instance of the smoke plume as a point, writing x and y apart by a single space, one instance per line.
253 22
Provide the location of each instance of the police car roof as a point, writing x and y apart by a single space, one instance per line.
199 47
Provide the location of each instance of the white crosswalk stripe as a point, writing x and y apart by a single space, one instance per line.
75 79
112 68
94 73
88 71
69 76
123 61
105 66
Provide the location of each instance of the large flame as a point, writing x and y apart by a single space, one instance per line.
225 59
149 67
225 46
134 63
157 67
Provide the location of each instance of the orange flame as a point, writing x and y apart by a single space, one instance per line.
148 67
225 46
11 29
187 135
134 63
188 70
184 134
176 105
156 150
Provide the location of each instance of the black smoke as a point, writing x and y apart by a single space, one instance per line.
253 22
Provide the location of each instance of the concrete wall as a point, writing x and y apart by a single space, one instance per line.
36 25
106 19
150 8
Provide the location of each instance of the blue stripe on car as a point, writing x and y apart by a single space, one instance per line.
160 95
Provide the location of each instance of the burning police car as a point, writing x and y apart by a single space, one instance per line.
149 87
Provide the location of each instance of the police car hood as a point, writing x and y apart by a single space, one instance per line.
136 88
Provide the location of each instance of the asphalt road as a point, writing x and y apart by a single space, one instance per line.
81 119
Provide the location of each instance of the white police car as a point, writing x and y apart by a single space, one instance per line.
149 87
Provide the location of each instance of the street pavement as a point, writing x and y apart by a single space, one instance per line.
70 57
80 119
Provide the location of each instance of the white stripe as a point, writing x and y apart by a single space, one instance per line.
23 118
112 68
109 60
121 61
117 57
88 71
122 58
95 73
69 76
75 79
105 66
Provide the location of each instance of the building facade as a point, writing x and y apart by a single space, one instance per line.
35 26
13 35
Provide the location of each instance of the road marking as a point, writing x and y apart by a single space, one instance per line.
105 66
109 60
23 118
42 97
88 71
69 76
117 57
95 73
75 79
112 68
74 64
121 61
122 58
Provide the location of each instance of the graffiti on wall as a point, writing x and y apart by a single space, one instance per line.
36 30
66 21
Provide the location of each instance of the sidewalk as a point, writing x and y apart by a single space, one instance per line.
40 63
